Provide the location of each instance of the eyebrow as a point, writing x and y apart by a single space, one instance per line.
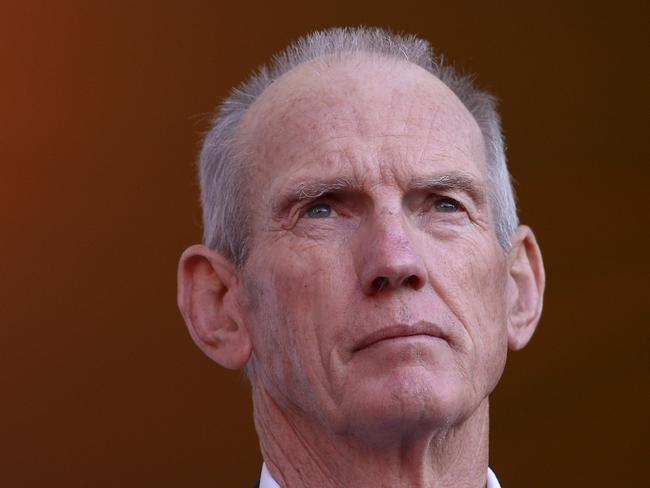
313 189
310 190
451 182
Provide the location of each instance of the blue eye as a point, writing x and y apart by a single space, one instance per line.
447 205
319 211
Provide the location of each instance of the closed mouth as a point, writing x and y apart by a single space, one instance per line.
424 329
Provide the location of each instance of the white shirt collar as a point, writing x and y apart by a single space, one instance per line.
266 481
492 481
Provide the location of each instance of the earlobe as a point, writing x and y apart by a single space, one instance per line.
525 287
208 287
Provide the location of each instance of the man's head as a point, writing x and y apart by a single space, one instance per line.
377 276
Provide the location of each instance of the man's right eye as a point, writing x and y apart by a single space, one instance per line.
319 211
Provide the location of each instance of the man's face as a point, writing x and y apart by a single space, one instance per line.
375 282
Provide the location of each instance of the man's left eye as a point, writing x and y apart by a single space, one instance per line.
446 204
319 211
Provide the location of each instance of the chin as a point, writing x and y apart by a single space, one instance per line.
407 402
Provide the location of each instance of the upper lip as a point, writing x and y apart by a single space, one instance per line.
401 330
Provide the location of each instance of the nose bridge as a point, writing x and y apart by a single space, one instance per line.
387 253
390 231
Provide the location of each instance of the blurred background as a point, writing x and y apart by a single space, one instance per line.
102 109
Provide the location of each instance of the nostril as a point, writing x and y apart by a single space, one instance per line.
379 283
412 281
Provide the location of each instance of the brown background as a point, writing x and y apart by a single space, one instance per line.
102 106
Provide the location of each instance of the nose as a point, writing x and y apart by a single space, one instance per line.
387 258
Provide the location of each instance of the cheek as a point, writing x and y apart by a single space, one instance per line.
472 276
476 293
304 283
314 293
293 318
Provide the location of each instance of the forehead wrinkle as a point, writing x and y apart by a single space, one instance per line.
301 114
329 130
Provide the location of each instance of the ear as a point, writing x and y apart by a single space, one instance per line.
525 287
208 289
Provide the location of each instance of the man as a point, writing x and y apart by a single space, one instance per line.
363 263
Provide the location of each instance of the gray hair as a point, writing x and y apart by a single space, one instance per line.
221 171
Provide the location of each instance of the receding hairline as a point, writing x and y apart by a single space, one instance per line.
309 75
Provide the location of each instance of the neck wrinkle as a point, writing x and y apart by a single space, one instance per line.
299 455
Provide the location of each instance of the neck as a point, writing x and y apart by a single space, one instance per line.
300 454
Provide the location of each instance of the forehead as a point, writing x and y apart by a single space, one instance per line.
363 114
